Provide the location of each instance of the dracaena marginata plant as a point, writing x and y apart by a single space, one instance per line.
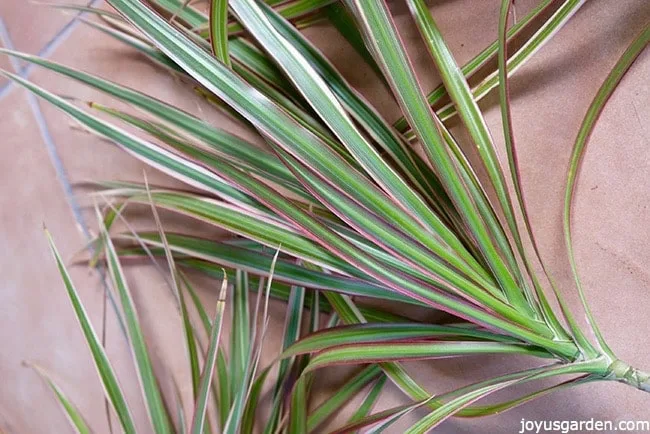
342 195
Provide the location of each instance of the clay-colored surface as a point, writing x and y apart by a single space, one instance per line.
550 96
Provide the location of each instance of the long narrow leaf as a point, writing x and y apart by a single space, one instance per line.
258 263
378 333
238 408
370 400
240 323
342 396
417 350
488 53
588 124
200 408
298 414
324 102
219 30
388 49
150 388
72 413
458 89
104 368
379 422
436 417
545 308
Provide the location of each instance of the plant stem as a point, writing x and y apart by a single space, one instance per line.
623 372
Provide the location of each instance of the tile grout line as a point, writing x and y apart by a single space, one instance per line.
47 49
47 140
55 159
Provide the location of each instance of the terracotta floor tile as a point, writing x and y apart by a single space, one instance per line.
43 329
33 25
5 65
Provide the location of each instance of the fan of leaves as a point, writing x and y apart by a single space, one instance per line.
344 198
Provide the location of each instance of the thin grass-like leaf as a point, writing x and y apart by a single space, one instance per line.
586 368
390 53
588 124
416 350
543 34
298 414
499 408
481 59
369 401
403 157
238 408
436 417
379 422
190 342
225 143
458 400
459 91
225 398
148 382
259 263
248 419
281 292
219 30
350 314
292 327
200 408
104 368
240 342
504 100
342 396
383 333
203 209
188 330
72 413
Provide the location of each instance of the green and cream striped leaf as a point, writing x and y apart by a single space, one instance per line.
219 30
379 352
595 108
201 405
104 369
342 396
384 333
377 23
71 412
148 381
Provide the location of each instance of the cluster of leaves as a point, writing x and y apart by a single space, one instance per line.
233 383
349 204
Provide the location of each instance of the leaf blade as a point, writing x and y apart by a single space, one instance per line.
602 96
72 413
200 407
103 365
219 30
148 382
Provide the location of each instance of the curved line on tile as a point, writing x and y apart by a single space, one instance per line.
47 49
